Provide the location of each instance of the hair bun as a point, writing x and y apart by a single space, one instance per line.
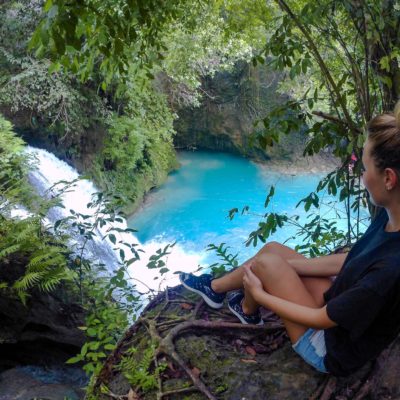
396 113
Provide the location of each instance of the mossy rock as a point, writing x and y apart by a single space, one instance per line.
226 360
235 101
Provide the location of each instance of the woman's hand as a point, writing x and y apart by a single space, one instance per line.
251 282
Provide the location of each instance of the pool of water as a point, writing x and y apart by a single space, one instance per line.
192 207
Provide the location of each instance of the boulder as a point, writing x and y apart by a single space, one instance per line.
36 339
45 329
181 349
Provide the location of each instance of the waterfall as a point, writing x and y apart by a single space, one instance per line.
50 170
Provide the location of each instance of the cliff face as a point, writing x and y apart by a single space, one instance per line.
232 103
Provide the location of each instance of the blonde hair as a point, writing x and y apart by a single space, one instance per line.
384 133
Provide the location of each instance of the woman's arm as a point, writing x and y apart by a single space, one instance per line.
307 316
320 266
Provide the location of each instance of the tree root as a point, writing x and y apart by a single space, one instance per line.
177 391
164 331
329 388
166 345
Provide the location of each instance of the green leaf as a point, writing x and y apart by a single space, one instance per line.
91 332
59 42
74 360
270 195
112 238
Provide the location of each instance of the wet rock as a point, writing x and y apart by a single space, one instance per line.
36 339
44 330
20 384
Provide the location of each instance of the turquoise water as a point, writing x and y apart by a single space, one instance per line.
192 207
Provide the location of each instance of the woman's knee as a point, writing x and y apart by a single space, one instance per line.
272 247
281 250
267 263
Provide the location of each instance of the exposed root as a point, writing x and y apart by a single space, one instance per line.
167 346
318 392
196 310
178 391
330 387
165 330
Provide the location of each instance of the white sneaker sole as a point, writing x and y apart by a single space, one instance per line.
242 320
211 303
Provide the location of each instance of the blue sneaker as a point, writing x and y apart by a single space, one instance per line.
202 286
235 305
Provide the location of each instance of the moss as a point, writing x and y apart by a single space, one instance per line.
132 184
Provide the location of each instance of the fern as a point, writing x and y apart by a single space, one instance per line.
27 281
138 371
46 264
9 250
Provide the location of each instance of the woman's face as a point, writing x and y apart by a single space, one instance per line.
373 178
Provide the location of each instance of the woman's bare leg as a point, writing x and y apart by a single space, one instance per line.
234 280
281 280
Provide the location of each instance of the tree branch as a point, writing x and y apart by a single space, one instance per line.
324 69
334 119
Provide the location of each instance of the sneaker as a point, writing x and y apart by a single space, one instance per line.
202 286
235 305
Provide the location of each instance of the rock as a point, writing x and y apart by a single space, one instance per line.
18 384
36 339
45 330
233 102
214 351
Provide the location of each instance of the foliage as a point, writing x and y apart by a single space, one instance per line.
14 168
319 235
137 368
106 36
199 53
9 143
341 61
46 260
52 100
228 261
106 321
137 151
316 40
110 298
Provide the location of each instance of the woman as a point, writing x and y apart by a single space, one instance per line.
334 325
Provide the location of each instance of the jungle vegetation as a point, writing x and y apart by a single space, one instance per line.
103 80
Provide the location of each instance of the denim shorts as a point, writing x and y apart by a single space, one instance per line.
311 348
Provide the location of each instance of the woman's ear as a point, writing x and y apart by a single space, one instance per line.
391 178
